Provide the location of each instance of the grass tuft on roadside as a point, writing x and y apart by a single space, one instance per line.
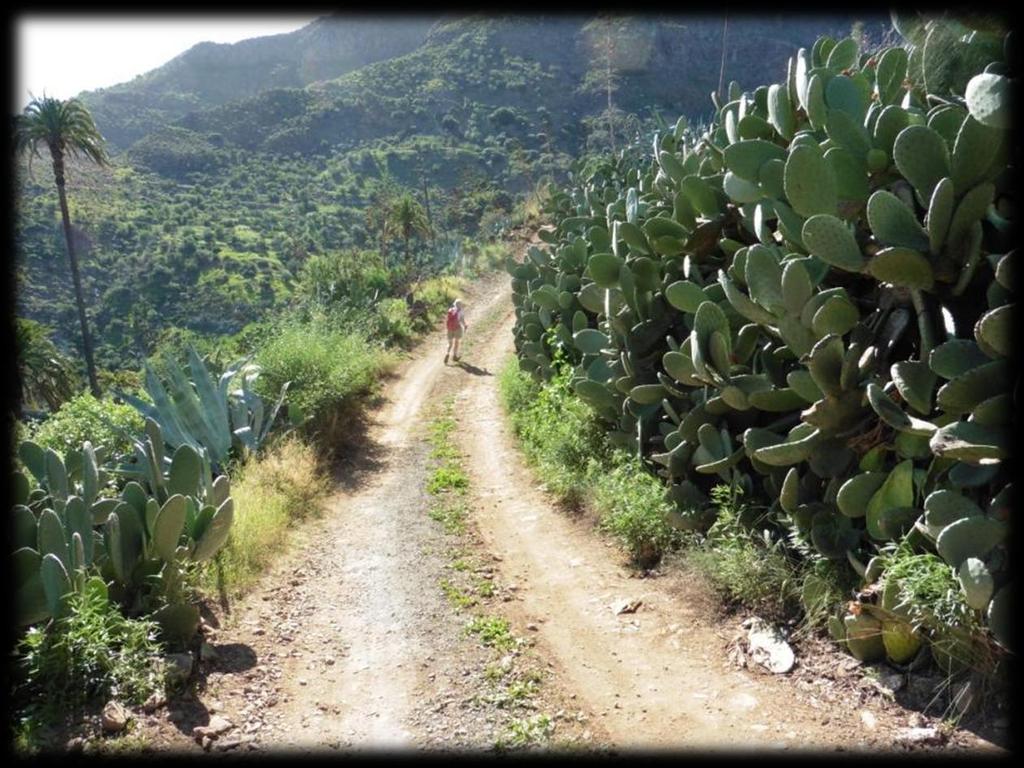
744 561
272 492
745 568
566 447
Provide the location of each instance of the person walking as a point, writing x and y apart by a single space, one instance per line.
456 323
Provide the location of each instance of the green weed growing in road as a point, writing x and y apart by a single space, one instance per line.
492 631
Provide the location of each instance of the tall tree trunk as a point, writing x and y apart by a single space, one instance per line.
608 83
90 365
721 71
426 205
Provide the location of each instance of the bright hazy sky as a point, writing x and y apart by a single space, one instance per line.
64 55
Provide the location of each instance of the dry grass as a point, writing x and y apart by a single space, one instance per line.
271 492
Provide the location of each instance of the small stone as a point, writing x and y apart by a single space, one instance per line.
532 627
768 646
626 606
869 720
302 681
154 702
115 717
917 720
889 684
215 727
77 744
259 631
229 743
920 736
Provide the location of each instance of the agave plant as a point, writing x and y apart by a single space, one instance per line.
206 414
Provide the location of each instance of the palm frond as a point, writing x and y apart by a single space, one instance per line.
62 126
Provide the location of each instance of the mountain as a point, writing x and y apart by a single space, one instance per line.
235 163
345 80
209 74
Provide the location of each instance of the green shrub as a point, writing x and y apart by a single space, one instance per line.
824 584
92 654
327 366
437 294
930 590
173 342
480 258
558 432
936 603
633 508
393 324
86 418
564 442
746 565
350 277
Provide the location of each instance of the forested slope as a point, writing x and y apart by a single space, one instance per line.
233 164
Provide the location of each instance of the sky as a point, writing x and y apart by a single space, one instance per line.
64 55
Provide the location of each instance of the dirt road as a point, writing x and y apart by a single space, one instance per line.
350 643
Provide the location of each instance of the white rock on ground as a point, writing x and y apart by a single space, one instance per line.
768 646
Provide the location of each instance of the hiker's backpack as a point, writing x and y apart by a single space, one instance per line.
453 319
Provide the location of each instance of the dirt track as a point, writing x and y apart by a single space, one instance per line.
350 643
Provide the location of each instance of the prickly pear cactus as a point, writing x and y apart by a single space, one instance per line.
64 533
809 297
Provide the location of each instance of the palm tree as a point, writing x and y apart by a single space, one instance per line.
48 379
408 218
67 129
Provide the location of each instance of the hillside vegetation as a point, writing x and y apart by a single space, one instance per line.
222 187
